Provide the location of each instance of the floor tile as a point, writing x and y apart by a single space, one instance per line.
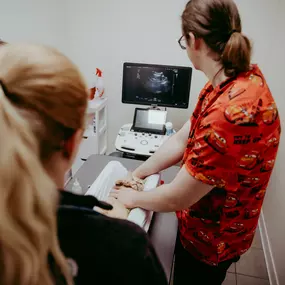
246 280
232 268
252 263
230 279
257 240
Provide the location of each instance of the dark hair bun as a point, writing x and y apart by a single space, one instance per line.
237 54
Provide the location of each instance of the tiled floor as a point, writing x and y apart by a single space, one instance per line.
251 269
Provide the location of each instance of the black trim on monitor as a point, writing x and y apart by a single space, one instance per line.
125 101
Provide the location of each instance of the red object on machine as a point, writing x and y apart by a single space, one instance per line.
96 82
98 72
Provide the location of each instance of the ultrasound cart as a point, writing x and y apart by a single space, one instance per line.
156 86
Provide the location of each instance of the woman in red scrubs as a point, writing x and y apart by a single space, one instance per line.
228 149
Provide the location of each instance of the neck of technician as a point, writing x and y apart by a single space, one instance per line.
214 71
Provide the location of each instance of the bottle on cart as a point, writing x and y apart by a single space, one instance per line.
97 87
99 92
169 129
76 187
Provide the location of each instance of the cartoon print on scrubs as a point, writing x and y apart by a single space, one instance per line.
260 195
221 247
216 141
248 181
232 201
212 180
267 166
273 142
232 145
235 92
238 228
270 115
240 115
249 160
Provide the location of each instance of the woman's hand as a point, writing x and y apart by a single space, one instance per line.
127 178
126 196
119 211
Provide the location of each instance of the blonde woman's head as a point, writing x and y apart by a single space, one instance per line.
49 92
42 106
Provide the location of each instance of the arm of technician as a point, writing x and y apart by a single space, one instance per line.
170 153
213 167
183 192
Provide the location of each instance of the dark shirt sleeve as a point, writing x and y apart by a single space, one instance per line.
106 250
152 271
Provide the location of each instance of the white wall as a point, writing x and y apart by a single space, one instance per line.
36 21
108 33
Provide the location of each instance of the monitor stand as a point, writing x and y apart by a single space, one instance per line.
155 107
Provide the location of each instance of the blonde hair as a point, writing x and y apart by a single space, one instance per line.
42 104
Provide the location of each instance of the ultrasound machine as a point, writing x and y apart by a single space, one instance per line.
156 86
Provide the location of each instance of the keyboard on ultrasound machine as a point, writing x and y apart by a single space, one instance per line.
104 183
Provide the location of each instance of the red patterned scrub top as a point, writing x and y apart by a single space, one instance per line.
232 145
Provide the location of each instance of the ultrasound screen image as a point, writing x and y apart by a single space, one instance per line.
156 85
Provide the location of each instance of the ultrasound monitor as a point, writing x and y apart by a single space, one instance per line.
159 85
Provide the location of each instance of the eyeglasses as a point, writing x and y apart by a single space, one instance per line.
182 42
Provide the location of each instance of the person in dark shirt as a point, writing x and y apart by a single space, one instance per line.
109 251
43 101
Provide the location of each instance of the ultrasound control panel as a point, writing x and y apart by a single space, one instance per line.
140 143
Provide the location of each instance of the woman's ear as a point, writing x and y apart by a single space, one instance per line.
70 147
194 43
